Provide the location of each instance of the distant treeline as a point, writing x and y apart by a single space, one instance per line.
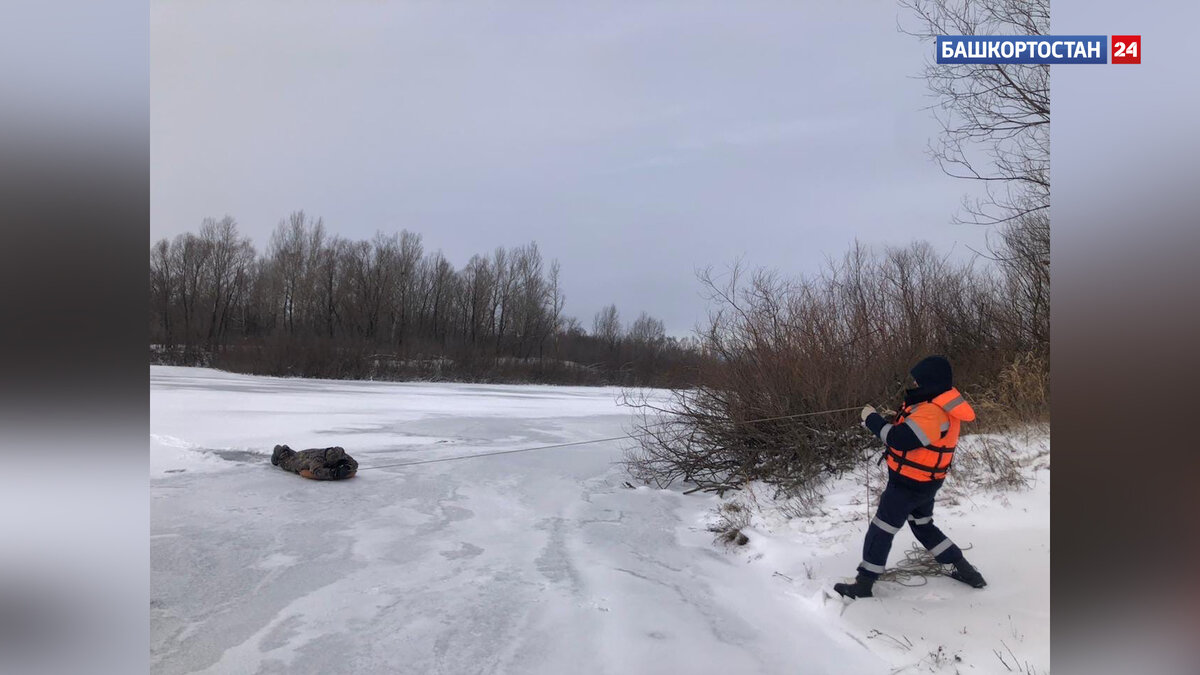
319 305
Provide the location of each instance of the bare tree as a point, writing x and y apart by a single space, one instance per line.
531 298
191 254
402 294
606 326
557 300
370 266
995 117
442 287
572 327
995 122
1024 256
479 281
647 330
291 256
330 283
163 278
502 294
225 272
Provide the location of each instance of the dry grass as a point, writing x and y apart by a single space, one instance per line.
1018 396
986 463
732 518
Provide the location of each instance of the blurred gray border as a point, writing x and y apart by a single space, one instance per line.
1126 201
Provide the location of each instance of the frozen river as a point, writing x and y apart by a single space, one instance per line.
540 562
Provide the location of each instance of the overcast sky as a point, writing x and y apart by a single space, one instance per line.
635 142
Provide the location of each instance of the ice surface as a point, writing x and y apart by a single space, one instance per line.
539 562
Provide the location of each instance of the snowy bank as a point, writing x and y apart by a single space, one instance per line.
921 624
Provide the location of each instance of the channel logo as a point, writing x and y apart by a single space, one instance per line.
1039 49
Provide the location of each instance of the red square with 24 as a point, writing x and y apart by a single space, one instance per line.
1127 49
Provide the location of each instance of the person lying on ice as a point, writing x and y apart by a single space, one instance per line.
920 446
317 463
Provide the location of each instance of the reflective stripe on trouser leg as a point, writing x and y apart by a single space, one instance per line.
942 547
946 552
931 537
871 567
890 529
894 506
876 546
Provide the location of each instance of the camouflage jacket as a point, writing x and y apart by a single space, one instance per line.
317 463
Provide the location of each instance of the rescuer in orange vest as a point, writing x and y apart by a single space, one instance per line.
920 447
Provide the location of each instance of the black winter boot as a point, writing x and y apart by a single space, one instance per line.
966 573
861 588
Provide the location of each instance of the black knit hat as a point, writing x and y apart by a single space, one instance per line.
933 372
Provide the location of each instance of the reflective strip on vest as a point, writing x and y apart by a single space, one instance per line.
952 403
920 433
929 457
890 529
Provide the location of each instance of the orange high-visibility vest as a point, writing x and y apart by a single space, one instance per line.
936 424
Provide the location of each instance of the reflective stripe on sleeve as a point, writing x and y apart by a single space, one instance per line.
884 432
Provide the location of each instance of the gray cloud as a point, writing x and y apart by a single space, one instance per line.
634 142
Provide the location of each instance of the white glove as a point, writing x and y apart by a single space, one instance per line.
867 411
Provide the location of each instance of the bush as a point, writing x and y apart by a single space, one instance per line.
790 362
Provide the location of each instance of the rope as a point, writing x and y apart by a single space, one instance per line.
490 454
588 442
916 567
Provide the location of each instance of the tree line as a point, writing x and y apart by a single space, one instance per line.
320 305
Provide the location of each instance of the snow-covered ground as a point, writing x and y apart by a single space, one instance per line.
539 562
921 624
